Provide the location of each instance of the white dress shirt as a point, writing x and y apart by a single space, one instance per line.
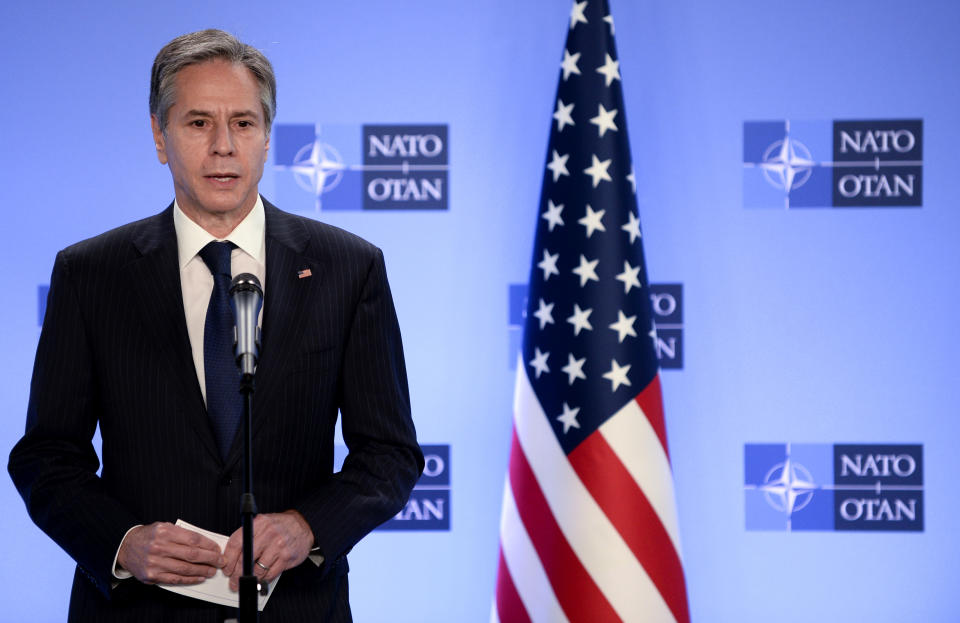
196 281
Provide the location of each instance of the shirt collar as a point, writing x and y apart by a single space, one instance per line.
248 235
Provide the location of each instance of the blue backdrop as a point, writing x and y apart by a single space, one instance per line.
814 326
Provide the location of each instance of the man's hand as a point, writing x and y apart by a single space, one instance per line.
167 554
281 541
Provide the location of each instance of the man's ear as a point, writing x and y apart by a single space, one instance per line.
158 139
266 148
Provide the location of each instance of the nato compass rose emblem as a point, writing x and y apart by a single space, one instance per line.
788 487
787 164
317 167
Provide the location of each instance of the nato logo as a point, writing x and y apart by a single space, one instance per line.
822 164
429 505
666 300
369 167
842 487
428 508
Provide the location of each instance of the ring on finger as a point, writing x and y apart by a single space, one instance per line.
262 566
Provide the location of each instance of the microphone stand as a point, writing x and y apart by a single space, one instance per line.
248 612
246 298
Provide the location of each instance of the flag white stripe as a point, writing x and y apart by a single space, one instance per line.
529 577
598 545
636 443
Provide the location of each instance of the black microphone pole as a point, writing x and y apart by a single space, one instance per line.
246 298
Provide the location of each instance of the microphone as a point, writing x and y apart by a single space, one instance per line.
246 298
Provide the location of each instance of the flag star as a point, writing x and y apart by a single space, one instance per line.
580 319
653 332
545 314
629 276
552 215
632 178
617 375
593 221
624 326
576 14
604 120
562 115
597 170
569 64
586 271
549 264
558 164
539 362
632 227
609 19
610 69
569 418
574 368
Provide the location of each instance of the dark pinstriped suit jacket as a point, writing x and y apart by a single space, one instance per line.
114 350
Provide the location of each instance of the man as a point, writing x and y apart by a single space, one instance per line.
134 339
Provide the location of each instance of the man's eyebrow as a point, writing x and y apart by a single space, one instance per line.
233 115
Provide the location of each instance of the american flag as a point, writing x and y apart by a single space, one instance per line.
588 532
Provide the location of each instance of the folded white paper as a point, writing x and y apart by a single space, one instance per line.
217 588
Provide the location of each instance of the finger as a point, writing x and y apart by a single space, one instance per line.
194 554
168 570
231 553
261 569
273 567
194 539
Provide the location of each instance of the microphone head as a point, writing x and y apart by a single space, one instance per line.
245 282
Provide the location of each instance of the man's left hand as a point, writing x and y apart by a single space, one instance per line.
281 541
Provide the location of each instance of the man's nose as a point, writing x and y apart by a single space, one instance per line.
222 140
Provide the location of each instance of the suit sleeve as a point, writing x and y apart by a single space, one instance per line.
384 460
54 466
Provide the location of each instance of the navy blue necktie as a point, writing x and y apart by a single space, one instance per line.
224 401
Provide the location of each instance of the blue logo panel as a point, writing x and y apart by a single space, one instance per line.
405 167
370 167
798 487
879 487
817 164
429 505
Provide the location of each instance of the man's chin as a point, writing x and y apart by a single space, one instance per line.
224 204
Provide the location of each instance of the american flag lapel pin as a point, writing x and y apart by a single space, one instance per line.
303 274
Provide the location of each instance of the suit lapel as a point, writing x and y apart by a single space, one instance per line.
154 279
286 301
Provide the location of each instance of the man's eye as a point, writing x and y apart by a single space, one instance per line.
198 123
244 124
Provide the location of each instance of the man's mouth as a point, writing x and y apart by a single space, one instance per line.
222 177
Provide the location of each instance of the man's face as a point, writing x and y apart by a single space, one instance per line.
216 141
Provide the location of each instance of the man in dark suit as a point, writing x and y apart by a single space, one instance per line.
132 341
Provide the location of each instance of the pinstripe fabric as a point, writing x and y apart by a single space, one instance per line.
114 351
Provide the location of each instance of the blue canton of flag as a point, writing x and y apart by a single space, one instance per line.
588 338
589 530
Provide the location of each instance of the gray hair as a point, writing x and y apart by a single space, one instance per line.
207 45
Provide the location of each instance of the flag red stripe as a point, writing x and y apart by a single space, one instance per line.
510 608
578 595
625 504
651 403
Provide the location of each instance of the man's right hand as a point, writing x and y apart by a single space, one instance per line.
167 554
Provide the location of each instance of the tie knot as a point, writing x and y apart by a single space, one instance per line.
216 255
